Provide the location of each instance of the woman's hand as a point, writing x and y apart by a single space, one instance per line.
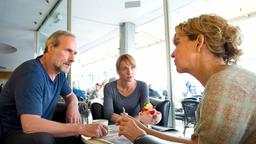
116 117
129 128
149 118
93 130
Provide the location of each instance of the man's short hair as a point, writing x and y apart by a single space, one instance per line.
54 38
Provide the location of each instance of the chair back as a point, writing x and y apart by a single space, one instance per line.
189 106
59 114
196 98
190 98
164 108
97 111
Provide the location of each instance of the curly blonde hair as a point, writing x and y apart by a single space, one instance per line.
221 38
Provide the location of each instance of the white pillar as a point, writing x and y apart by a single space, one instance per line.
127 34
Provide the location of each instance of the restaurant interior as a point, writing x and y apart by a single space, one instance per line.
105 29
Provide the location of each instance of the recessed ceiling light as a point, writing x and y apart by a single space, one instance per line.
7 49
132 4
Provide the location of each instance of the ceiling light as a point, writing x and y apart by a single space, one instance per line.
1 67
132 4
7 49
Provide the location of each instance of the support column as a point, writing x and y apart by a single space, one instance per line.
127 34
69 21
171 122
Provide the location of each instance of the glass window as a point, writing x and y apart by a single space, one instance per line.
94 65
247 26
57 20
242 15
99 41
150 55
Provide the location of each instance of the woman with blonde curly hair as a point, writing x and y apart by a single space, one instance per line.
207 48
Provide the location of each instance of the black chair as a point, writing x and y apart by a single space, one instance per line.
179 114
60 112
97 111
192 98
164 108
199 97
189 107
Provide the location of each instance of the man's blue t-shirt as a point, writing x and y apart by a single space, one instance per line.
30 91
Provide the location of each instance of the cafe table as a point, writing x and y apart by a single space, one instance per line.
111 138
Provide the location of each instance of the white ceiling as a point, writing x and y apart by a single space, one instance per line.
18 21
93 20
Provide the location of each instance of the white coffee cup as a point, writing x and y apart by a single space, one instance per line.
100 121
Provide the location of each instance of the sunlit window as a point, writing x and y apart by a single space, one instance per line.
238 14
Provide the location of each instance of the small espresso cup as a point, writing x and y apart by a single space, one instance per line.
100 121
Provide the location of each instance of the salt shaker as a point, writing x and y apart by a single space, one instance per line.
85 112
89 117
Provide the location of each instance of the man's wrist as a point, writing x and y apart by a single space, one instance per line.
139 137
79 128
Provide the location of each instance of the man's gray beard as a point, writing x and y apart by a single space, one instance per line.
65 71
62 69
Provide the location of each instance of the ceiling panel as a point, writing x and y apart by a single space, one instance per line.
18 21
94 20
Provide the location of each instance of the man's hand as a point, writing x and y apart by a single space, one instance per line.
72 113
93 130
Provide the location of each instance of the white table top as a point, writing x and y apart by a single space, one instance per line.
111 138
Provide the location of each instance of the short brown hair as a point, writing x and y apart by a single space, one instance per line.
54 38
125 57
